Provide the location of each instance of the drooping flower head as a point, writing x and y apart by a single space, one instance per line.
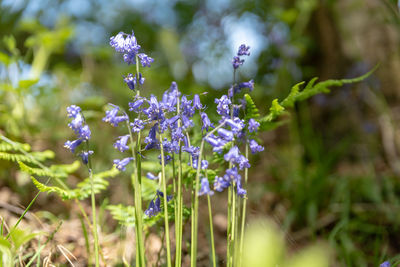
205 188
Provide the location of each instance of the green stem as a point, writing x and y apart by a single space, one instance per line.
229 230
211 231
96 239
178 231
243 211
195 209
164 188
140 260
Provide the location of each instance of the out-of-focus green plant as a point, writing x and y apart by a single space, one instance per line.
265 247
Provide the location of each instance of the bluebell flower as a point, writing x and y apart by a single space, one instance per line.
239 190
85 156
253 125
167 159
134 106
112 118
220 184
204 164
161 194
385 264
232 175
145 60
249 84
73 110
121 164
254 147
187 108
242 162
137 125
154 208
225 134
120 144
196 102
243 50
206 122
223 106
177 134
192 150
236 124
72 145
232 155
186 122
130 80
84 132
205 188
118 42
77 123
236 62
217 143
151 176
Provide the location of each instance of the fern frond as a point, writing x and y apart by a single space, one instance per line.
66 168
311 89
40 171
100 183
16 157
43 155
252 111
124 215
4 146
64 194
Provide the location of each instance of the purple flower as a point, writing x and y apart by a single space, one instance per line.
192 150
196 102
137 125
167 159
187 123
85 156
239 190
154 208
253 125
232 155
73 110
72 145
225 134
254 147
385 264
121 164
206 121
204 164
217 143
151 176
243 162
232 175
243 50
220 184
112 118
118 42
130 80
120 144
187 108
223 105
249 84
236 62
84 132
77 123
205 188
236 124
134 106
145 60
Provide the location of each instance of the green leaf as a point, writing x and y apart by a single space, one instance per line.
252 111
125 215
5 59
66 168
6 258
40 171
64 194
43 155
25 84
4 146
20 237
16 157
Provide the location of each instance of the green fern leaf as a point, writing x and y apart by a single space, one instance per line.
66 168
43 155
252 111
40 171
124 215
4 146
16 157
64 194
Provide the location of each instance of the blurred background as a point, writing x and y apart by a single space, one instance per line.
331 173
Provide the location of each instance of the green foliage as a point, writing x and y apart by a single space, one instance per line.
124 215
40 171
14 146
252 111
83 189
296 95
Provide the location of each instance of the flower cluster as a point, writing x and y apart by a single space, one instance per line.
155 204
243 51
169 121
81 130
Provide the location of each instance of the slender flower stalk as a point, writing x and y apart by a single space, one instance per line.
179 201
243 212
164 188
